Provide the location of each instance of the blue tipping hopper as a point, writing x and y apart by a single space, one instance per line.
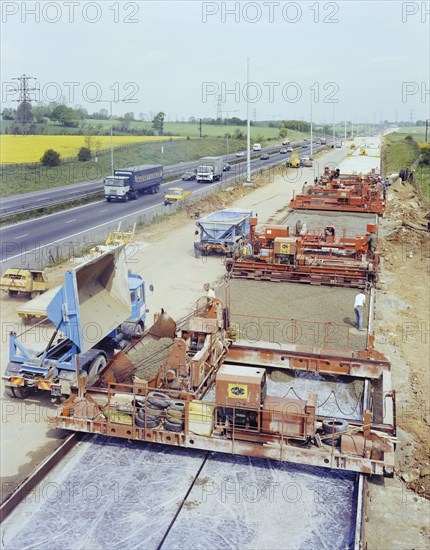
224 231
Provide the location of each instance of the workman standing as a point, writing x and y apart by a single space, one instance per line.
299 227
197 251
372 239
209 293
360 301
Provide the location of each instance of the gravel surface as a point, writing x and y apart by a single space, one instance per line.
353 223
149 354
265 312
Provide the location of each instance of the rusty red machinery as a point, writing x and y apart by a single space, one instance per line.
212 393
318 257
345 193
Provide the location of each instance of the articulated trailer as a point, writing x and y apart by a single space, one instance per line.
212 393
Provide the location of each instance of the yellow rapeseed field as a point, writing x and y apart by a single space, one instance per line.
26 149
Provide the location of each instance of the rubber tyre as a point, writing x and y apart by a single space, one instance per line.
108 199
150 416
335 426
173 427
175 419
174 414
158 400
177 406
96 366
12 292
125 199
17 392
148 424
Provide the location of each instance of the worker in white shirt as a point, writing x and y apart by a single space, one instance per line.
209 293
359 303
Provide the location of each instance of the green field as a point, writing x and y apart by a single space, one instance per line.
26 177
95 126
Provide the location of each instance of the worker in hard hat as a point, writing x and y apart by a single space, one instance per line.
299 227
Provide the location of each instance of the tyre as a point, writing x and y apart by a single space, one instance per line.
158 400
148 424
173 427
96 366
335 426
17 392
13 292
108 199
125 199
152 414
175 419
177 406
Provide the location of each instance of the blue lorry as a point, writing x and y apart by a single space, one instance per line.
127 183
99 309
223 232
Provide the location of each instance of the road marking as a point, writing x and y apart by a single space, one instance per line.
21 236
70 221
64 239
105 210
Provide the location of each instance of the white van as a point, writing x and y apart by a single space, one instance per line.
256 147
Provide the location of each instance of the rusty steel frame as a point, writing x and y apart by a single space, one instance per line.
365 364
320 202
279 450
340 274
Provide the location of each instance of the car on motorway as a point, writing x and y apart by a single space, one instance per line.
240 154
338 145
306 161
226 167
290 149
188 176
264 156
283 151
305 146
256 147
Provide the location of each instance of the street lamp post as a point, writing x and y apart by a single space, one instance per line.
110 101
248 128
312 129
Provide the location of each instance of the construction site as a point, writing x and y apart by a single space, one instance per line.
273 409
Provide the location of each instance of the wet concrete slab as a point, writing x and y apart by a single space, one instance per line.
113 494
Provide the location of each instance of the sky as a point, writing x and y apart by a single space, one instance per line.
363 60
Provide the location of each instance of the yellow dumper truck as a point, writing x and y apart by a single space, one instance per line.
30 281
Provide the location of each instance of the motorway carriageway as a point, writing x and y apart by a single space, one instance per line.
29 237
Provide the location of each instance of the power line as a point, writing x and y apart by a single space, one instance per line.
25 100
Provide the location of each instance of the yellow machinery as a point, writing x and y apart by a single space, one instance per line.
30 281
294 160
176 194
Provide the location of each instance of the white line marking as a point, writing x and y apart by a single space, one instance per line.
105 210
70 221
21 236
78 233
